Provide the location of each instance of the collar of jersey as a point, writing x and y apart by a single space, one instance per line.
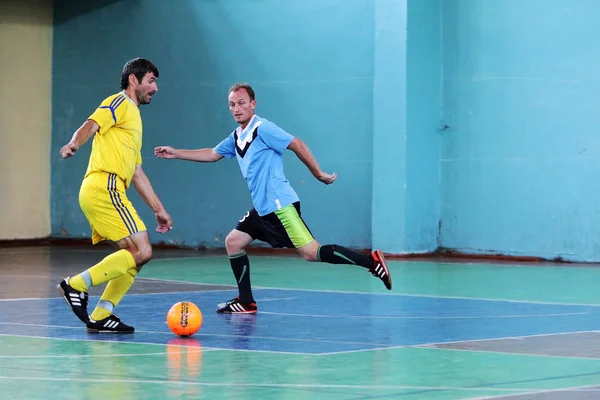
254 122
128 98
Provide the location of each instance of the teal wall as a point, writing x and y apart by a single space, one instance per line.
457 124
520 160
424 124
389 127
407 101
311 64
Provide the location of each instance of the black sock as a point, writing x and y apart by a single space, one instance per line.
336 254
241 270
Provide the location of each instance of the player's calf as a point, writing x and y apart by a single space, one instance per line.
375 262
310 252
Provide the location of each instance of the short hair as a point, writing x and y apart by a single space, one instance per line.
245 86
139 67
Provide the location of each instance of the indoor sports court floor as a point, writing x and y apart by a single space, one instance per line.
448 330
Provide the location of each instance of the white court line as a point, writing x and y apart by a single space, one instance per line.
207 335
586 388
425 346
517 354
327 291
30 299
108 355
25 276
204 349
129 294
189 283
388 294
424 317
234 288
508 337
274 299
432 345
268 385
224 255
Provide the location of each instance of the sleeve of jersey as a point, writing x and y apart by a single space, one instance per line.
274 137
109 113
226 148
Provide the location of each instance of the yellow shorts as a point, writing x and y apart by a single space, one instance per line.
108 210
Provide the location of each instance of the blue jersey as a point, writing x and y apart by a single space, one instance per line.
259 150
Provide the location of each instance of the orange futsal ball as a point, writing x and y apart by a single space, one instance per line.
184 318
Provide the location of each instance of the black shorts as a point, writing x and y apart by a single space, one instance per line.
281 228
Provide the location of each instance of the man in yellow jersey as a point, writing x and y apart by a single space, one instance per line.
114 164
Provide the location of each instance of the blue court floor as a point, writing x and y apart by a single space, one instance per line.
310 322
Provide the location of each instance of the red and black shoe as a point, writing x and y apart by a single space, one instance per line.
380 269
235 306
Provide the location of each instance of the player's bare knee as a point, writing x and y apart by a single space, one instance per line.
145 254
142 255
139 246
233 244
229 242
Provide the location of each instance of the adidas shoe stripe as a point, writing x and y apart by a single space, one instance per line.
75 300
111 324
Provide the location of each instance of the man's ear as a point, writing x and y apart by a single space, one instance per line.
132 80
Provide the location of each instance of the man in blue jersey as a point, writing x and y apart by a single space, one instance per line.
258 145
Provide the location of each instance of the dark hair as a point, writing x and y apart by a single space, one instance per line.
245 86
139 67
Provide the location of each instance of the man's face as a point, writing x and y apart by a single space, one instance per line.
241 107
146 88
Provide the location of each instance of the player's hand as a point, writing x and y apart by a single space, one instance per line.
164 152
165 224
326 178
68 150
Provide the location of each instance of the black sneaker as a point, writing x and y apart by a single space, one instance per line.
235 306
110 324
75 299
380 269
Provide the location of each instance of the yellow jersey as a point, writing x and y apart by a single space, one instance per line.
117 145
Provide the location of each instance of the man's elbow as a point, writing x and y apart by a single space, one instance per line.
214 156
137 174
296 145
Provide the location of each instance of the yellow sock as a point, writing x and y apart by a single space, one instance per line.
114 292
110 268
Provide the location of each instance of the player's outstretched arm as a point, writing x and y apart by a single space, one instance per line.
200 155
303 153
144 188
81 135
